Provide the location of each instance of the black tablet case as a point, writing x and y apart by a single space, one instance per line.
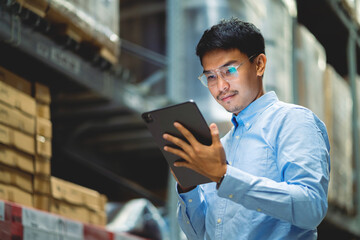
162 120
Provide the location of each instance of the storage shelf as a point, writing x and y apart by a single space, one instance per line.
334 27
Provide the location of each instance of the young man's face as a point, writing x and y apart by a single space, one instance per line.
245 87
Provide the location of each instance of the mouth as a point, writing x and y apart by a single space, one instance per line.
227 97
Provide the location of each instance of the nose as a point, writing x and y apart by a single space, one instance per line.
222 84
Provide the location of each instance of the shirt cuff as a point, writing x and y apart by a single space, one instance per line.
235 184
189 198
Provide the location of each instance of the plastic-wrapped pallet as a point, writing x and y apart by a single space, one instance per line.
311 64
277 28
338 117
19 222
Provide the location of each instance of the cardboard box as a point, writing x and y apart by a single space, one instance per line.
17 119
17 99
42 166
16 178
7 94
42 93
43 127
42 185
311 65
13 194
97 218
69 210
43 110
103 201
25 103
43 146
338 119
75 194
41 202
16 159
17 139
15 81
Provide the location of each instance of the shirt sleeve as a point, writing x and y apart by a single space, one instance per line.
191 213
303 162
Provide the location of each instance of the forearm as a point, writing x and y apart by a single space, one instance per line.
304 205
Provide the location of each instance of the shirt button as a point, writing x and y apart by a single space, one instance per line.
237 137
187 222
219 220
230 196
259 210
247 125
190 200
230 163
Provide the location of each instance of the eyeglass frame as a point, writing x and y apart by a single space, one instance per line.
218 69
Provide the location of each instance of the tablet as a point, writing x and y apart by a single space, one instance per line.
162 120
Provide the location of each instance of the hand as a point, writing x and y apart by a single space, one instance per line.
209 161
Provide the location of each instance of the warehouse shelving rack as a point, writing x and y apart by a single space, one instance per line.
338 32
29 35
28 38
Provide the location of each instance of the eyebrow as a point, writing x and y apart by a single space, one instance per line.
225 65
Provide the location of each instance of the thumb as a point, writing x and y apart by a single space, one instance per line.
214 133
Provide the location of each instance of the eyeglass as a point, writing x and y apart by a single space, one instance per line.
228 73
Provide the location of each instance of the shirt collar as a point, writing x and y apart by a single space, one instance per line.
248 116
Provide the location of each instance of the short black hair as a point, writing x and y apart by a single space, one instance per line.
232 34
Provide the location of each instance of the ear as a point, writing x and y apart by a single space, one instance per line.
260 64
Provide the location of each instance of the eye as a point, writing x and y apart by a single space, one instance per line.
229 71
210 77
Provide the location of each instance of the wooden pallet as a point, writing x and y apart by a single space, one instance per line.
67 27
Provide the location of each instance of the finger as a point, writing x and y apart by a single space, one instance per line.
181 164
186 133
186 165
214 133
177 141
177 152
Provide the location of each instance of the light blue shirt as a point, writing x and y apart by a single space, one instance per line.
276 182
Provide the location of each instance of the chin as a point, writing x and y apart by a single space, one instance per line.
233 109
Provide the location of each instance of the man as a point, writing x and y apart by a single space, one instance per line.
270 173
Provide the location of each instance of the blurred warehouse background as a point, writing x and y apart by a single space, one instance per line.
75 76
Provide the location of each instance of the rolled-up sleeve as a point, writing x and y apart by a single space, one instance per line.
302 156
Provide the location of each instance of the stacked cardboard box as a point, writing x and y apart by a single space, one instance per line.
25 155
338 119
17 144
277 26
43 136
53 194
311 64
73 201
